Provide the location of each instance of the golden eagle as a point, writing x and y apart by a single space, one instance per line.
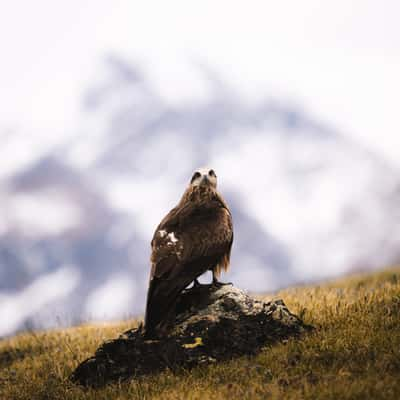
194 237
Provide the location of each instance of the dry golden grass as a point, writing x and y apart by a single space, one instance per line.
353 354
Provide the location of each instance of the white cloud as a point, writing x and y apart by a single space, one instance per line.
341 60
16 307
114 299
254 275
46 212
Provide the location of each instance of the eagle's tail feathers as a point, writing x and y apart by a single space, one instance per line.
160 308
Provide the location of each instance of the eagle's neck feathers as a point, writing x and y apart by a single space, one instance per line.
198 194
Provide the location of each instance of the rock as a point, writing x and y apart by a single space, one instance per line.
212 324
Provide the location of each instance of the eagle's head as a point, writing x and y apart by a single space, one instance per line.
204 177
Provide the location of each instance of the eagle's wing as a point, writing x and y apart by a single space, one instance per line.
187 242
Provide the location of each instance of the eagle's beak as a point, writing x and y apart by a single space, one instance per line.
204 180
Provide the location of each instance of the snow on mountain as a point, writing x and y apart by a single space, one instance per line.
307 202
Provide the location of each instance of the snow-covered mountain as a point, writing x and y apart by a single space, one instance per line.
307 202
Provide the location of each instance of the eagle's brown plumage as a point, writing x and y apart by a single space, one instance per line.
194 237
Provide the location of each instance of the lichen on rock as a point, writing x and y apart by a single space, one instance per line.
212 324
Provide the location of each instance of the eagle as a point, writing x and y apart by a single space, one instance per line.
194 237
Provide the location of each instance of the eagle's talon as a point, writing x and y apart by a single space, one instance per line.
219 284
196 284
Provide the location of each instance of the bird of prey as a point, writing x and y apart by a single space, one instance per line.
194 237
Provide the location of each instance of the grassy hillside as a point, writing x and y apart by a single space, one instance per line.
353 354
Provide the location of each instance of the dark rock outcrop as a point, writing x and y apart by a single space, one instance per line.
212 324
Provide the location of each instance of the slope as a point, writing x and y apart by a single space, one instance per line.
353 354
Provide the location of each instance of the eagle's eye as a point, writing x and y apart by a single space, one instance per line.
212 173
195 176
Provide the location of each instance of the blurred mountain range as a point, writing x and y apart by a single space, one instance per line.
76 224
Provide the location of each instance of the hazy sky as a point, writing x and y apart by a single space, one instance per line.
339 60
